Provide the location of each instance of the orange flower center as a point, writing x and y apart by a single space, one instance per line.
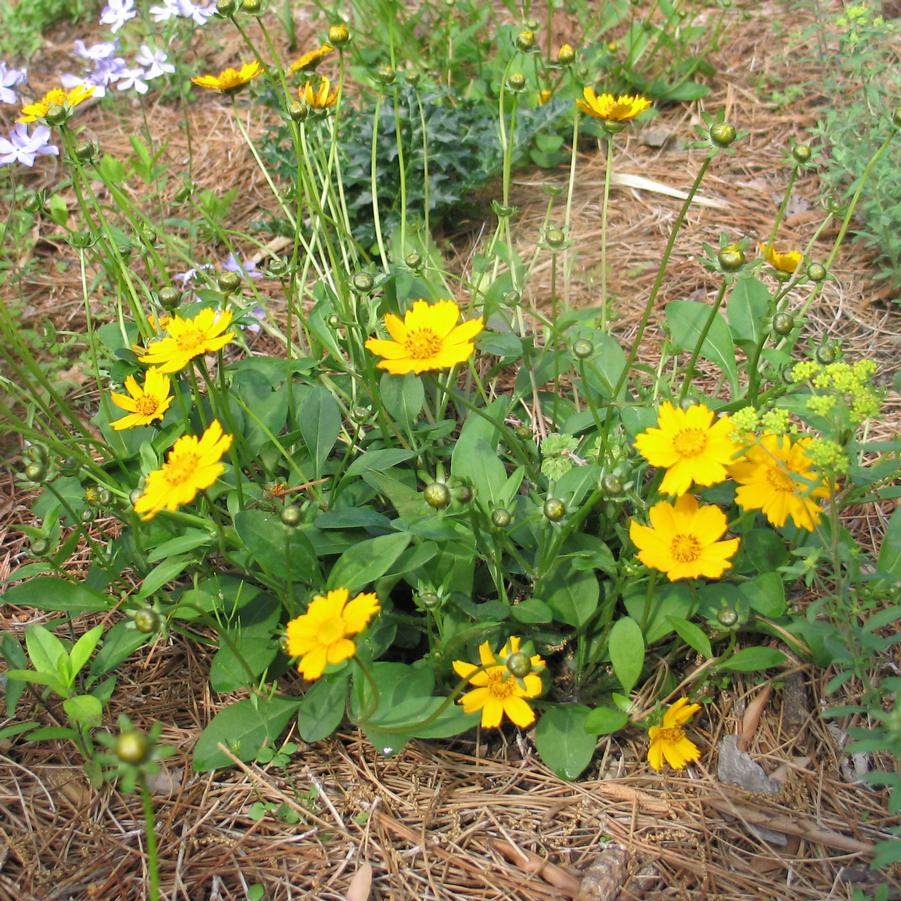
685 548
181 468
229 78
147 405
331 630
422 344
671 735
779 480
499 687
690 442
190 339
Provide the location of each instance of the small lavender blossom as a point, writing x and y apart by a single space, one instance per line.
248 267
190 274
169 10
155 62
199 14
258 313
9 78
116 13
96 52
132 78
22 148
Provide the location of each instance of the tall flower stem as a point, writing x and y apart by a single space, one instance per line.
607 172
690 369
153 867
783 206
567 217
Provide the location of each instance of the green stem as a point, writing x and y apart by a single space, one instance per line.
690 369
607 173
150 833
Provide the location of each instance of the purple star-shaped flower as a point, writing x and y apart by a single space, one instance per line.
155 62
169 10
248 267
20 147
258 313
116 13
96 52
190 274
9 78
199 14
132 78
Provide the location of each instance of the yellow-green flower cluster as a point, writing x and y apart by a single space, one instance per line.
827 455
776 421
850 384
744 421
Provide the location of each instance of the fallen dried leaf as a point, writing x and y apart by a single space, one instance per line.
361 884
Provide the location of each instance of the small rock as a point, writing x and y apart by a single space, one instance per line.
603 880
656 135
738 768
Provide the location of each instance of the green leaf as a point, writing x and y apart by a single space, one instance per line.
403 396
764 549
626 645
86 710
188 540
15 659
686 320
118 644
532 611
250 630
45 650
52 593
279 550
244 728
575 595
605 720
162 574
320 424
765 594
378 461
367 561
746 310
322 707
84 647
692 635
475 458
665 602
563 741
752 660
890 552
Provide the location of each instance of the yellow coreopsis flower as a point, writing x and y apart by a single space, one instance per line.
544 95
322 634
776 476
317 96
683 540
144 404
610 108
668 740
498 689
692 447
189 338
191 466
428 338
787 261
311 58
229 80
56 97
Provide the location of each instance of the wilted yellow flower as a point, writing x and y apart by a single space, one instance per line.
192 465
610 108
229 80
787 261
311 58
317 96
692 447
189 338
498 691
669 741
145 404
428 338
56 97
322 634
776 476
683 540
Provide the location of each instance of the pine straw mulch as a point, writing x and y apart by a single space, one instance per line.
483 818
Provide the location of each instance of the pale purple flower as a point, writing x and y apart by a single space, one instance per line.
9 78
169 10
132 78
116 13
258 313
22 148
191 274
96 52
248 267
199 14
154 62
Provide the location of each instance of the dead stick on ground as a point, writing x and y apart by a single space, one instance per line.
538 866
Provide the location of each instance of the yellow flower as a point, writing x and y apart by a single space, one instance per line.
321 635
544 95
145 404
497 690
230 80
690 445
311 58
610 108
784 262
192 465
776 476
189 338
428 338
318 97
683 540
57 97
669 741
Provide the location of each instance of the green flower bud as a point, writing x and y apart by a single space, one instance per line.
251 7
229 282
147 620
437 495
361 414
386 75
226 8
125 249
148 235
525 40
87 151
501 518
279 267
583 348
532 23
783 323
362 282
35 472
566 55
413 260
291 516
516 83
463 494
612 485
39 547
87 516
727 617
334 321
103 497
731 258
429 599
56 115
132 747
298 111
825 354
519 665
134 496
338 35
816 272
69 466
801 153
555 237
523 431
169 298
722 134
787 375
554 509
